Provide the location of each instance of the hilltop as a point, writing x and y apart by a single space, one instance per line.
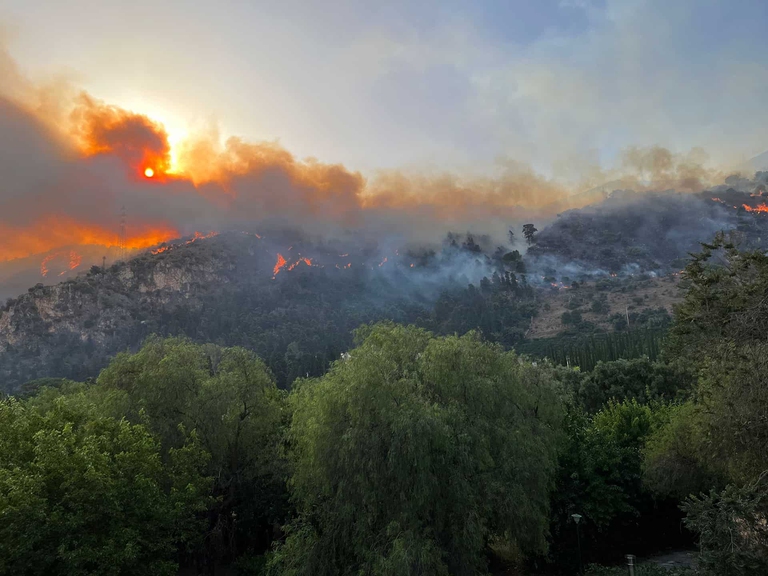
296 301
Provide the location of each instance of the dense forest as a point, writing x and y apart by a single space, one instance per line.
413 454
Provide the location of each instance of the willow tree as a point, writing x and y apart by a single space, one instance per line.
228 399
415 454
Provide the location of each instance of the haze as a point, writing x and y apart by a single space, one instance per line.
558 84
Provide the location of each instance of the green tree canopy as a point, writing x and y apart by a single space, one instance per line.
638 378
410 456
229 399
85 493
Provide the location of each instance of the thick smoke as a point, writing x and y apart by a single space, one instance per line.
72 165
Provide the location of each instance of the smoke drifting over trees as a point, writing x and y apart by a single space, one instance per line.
71 162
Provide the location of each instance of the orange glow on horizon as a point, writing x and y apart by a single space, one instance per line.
52 232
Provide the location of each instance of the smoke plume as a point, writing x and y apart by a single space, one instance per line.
72 165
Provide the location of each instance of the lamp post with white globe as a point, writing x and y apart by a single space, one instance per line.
577 519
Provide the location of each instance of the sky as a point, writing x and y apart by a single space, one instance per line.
471 87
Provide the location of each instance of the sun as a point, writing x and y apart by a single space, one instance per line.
148 172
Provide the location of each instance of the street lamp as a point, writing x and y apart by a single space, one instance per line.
577 519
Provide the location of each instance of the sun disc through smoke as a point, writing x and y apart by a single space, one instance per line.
149 172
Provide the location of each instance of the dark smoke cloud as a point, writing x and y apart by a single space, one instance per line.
70 163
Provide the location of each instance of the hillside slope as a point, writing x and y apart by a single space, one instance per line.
296 305
296 302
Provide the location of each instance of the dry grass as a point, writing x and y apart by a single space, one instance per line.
652 293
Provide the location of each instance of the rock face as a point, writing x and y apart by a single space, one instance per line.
293 301
69 328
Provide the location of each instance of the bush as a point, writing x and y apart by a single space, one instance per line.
733 535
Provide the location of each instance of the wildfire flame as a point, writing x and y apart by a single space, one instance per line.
95 155
197 236
760 208
306 261
74 261
278 265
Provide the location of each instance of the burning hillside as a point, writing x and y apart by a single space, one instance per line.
650 232
282 292
80 172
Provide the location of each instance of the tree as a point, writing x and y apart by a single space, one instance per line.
731 524
528 231
637 378
512 257
470 245
719 330
600 477
229 399
411 456
675 462
726 299
85 493
511 236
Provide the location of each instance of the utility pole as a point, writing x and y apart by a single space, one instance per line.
576 519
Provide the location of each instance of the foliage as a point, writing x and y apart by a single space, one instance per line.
719 330
731 524
410 455
84 493
529 231
727 299
675 462
229 399
638 378
587 352
600 477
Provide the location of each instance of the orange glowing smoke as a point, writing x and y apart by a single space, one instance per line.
278 265
135 138
50 232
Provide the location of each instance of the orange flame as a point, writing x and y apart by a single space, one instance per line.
74 261
278 265
760 208
306 261
197 236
